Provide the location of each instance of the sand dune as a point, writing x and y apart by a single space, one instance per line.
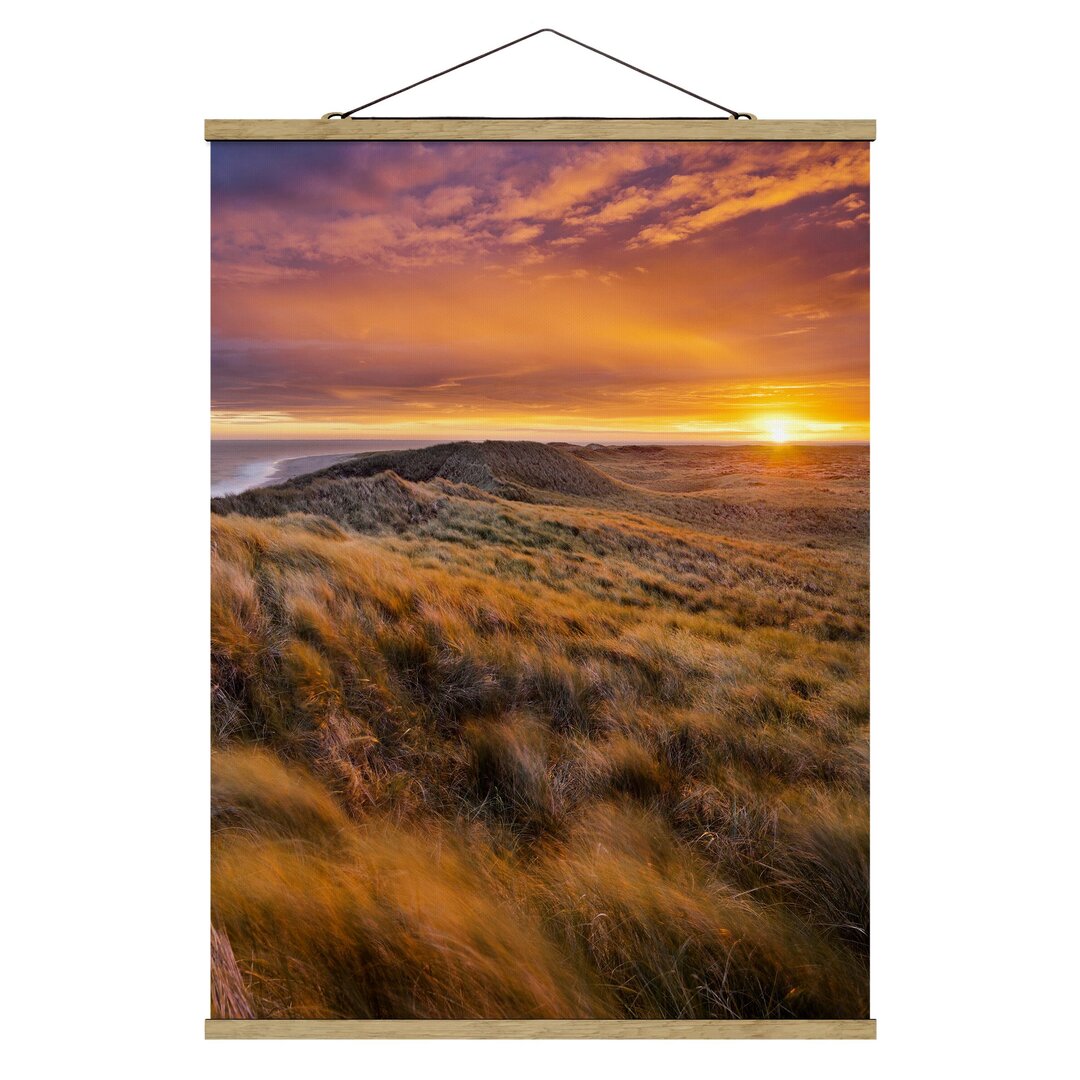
787 494
496 466
490 748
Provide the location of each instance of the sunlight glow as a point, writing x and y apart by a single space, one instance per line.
583 306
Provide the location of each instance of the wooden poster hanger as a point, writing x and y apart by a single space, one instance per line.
336 126
728 126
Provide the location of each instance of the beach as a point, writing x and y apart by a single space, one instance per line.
238 465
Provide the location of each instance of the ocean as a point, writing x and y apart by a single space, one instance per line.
239 464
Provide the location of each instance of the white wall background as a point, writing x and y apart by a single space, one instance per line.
105 242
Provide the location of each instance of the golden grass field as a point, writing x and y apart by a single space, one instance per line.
512 730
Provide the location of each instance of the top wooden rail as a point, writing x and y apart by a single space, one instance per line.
677 130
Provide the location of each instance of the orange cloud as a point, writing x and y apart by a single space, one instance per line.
654 287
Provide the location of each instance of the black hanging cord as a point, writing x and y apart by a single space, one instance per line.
517 41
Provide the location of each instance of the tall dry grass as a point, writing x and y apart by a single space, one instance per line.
476 758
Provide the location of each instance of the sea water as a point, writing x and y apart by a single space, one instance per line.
239 464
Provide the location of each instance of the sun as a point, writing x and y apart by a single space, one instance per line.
778 431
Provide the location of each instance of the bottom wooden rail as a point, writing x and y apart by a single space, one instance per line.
541 1029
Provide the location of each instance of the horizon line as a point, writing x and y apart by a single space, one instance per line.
791 441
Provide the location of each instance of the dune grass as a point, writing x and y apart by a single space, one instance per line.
487 758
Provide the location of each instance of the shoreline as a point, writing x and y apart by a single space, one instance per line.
266 473
289 468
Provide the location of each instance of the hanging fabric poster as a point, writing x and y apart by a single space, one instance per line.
540 596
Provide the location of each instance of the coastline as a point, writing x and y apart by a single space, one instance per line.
238 465
289 468
258 474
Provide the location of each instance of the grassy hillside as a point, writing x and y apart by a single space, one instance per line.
781 493
494 466
580 752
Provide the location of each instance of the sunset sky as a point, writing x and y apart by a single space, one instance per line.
703 292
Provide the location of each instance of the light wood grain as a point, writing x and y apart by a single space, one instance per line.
543 130
541 1029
